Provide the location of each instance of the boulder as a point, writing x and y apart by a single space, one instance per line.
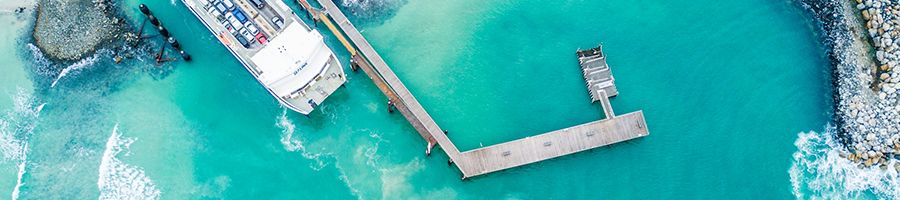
73 29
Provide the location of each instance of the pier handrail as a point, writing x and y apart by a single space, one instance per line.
488 159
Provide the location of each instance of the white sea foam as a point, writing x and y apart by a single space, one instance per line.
16 124
371 152
332 113
819 171
295 144
20 174
361 167
369 175
290 143
364 167
10 146
42 64
75 67
44 67
118 180
15 129
287 133
343 177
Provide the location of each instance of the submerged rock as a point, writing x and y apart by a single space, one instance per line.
72 29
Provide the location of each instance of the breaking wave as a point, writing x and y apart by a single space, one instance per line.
15 129
45 67
42 63
118 180
17 125
75 67
19 175
819 171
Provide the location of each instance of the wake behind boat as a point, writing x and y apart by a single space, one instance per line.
285 55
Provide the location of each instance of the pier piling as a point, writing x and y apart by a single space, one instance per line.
497 157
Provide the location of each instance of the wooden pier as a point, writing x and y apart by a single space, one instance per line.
384 78
488 159
597 74
552 144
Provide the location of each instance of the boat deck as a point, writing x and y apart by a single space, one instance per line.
274 61
230 41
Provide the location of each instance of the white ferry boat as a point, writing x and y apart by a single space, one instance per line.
286 56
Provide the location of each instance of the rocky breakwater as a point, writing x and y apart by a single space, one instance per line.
72 29
868 107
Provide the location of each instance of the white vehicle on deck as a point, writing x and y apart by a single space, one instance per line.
228 4
278 22
234 22
247 35
252 28
206 4
218 15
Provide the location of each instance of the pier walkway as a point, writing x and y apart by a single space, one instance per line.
552 144
390 84
597 74
483 160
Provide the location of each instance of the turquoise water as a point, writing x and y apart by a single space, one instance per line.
725 86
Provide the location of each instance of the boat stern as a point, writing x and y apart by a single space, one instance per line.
306 99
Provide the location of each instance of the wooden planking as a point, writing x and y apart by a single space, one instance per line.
597 74
340 37
509 154
407 104
607 107
552 144
379 81
392 96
